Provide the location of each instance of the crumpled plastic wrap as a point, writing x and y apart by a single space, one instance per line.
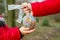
28 19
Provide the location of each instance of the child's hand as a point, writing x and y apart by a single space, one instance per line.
25 30
26 7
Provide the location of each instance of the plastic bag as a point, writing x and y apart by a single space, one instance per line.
28 19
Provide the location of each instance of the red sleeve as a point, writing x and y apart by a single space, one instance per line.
12 34
47 7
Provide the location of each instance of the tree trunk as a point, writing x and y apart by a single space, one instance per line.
11 15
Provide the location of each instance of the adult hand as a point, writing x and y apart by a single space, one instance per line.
25 30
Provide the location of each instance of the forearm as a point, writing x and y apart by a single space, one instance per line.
13 34
47 7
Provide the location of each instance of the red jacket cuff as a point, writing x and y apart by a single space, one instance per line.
34 8
16 34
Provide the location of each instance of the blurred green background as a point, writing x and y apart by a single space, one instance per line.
47 27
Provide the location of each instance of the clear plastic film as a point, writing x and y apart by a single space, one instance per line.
28 19
20 14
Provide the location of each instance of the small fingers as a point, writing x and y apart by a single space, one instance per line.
24 5
30 31
29 6
26 29
26 10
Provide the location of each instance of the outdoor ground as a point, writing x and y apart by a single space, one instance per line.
45 32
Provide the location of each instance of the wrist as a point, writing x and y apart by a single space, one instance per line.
30 7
